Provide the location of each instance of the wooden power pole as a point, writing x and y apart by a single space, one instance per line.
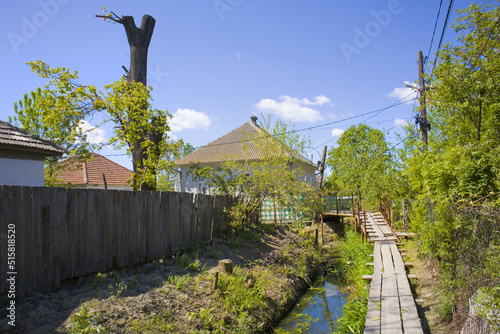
422 118
322 170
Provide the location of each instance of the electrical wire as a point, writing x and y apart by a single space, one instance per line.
434 31
267 135
376 112
442 35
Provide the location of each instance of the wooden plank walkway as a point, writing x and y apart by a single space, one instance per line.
377 228
391 307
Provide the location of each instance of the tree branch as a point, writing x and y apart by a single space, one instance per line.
112 17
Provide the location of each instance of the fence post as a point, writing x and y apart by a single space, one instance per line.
352 200
337 203
364 226
389 211
359 209
405 214
321 217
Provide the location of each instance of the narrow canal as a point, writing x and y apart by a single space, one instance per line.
317 310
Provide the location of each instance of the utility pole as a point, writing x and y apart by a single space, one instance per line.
422 118
322 170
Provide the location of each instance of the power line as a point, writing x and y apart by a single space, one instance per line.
375 113
434 31
267 135
442 35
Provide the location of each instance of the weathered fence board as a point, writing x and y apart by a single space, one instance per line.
4 239
26 246
67 233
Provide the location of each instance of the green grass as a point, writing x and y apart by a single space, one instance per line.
352 257
85 322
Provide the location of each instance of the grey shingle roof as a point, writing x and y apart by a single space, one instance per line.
246 142
14 138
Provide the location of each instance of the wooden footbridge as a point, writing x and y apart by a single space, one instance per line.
391 306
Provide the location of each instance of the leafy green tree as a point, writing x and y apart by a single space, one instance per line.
168 169
457 180
56 112
137 123
361 159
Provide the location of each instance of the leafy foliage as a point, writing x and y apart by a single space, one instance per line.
57 111
83 322
277 176
362 159
456 181
353 254
137 123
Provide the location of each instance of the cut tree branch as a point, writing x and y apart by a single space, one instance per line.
112 17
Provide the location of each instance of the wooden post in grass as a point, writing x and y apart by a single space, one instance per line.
226 266
321 217
216 280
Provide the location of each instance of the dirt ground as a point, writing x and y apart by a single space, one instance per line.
173 295
428 293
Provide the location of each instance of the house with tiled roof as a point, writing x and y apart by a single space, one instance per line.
22 156
97 172
243 144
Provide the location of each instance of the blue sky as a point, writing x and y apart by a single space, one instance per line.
215 63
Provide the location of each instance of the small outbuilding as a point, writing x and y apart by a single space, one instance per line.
22 156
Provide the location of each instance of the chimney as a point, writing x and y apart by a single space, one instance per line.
254 119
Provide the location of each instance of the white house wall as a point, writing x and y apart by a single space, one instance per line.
20 172
187 184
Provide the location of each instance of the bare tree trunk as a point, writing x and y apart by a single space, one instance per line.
138 39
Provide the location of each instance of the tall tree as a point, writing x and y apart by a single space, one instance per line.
63 103
139 39
361 159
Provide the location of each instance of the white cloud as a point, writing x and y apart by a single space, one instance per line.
294 109
408 94
94 135
400 122
320 100
189 119
337 132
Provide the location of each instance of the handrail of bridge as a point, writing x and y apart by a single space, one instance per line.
384 206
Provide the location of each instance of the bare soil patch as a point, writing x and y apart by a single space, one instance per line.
428 292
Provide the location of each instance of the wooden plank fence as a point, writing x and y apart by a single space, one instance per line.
65 233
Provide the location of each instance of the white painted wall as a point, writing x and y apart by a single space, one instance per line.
187 184
20 172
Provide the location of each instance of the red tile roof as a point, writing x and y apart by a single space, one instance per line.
90 172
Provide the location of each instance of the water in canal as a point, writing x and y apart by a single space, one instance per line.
317 310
